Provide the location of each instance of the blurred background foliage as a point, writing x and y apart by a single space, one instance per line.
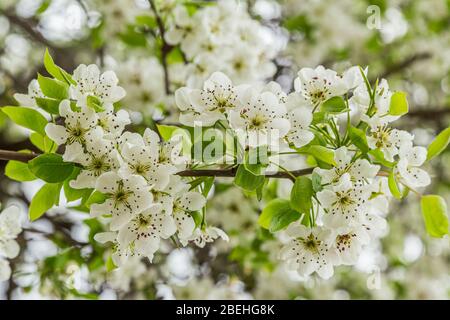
405 41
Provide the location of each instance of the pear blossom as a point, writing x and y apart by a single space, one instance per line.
359 170
348 243
343 202
318 85
101 157
300 119
143 160
146 229
260 119
125 197
34 91
411 158
202 236
91 83
388 140
308 251
80 127
10 228
113 123
169 153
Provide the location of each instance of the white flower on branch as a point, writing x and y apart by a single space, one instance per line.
308 251
125 197
91 83
146 229
80 127
407 168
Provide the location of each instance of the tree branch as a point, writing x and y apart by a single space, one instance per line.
405 64
166 48
25 157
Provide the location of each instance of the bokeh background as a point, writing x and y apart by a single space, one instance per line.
404 41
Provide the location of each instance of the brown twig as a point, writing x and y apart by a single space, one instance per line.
405 64
25 157
165 49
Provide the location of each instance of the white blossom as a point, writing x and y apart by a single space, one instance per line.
411 158
125 197
91 83
308 251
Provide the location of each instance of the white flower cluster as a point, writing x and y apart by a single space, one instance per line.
222 37
10 227
144 200
347 212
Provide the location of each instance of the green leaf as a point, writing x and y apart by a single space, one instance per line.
393 187
43 143
44 6
73 194
316 182
198 218
166 132
18 171
50 168
96 197
277 215
301 194
48 104
319 117
379 158
147 21
53 88
56 71
247 180
133 38
95 104
44 199
434 211
334 105
322 154
208 183
358 138
439 144
399 104
256 159
27 117
110 266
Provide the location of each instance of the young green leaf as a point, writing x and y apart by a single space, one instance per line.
378 156
316 182
399 104
247 180
48 104
334 105
434 211
27 117
322 154
393 187
96 197
18 171
166 132
95 104
44 199
358 138
277 215
50 168
56 71
198 218
301 194
110 266
53 88
75 194
43 143
439 144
